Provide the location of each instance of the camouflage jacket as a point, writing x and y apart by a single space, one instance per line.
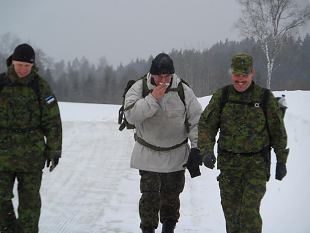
30 128
243 128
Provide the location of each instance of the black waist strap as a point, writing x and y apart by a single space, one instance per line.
247 154
157 148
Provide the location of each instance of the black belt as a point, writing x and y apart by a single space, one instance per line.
157 148
245 154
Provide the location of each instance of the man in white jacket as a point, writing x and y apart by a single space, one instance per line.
164 121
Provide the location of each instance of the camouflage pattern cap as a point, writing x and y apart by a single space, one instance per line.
241 63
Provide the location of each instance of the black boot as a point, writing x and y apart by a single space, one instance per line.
147 230
168 227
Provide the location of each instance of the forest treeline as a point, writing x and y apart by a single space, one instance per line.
81 81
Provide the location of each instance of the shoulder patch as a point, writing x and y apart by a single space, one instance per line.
49 99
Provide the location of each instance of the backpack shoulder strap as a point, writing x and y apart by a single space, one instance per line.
3 81
264 99
145 89
224 97
35 86
180 89
181 94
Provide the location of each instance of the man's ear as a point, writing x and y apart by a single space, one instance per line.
253 71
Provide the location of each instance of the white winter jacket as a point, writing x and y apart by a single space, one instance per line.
162 124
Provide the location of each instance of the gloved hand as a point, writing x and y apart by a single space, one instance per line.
52 163
193 162
52 158
209 159
280 171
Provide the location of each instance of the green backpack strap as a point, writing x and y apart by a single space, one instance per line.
224 98
267 150
34 85
182 97
264 100
145 89
180 90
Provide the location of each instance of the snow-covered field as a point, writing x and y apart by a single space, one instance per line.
93 190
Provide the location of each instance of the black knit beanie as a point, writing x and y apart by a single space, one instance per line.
162 64
24 53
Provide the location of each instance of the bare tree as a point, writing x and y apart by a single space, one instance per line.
270 22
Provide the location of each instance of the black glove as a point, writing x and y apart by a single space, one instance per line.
52 158
209 159
52 163
280 171
193 162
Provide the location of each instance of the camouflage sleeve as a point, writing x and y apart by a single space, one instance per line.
277 131
209 123
51 121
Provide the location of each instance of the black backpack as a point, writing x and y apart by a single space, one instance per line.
145 91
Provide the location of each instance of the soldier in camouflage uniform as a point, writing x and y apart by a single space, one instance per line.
247 132
161 147
30 136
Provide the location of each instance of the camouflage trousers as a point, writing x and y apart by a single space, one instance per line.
160 196
29 200
241 195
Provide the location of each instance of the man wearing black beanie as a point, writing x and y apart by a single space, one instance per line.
24 53
164 120
30 136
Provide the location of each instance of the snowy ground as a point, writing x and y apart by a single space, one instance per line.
93 190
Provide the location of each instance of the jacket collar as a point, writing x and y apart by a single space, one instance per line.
12 76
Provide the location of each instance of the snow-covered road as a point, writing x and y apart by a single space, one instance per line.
93 189
85 192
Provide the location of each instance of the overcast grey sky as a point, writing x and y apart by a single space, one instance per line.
120 30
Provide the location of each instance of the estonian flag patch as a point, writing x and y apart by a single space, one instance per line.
50 99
